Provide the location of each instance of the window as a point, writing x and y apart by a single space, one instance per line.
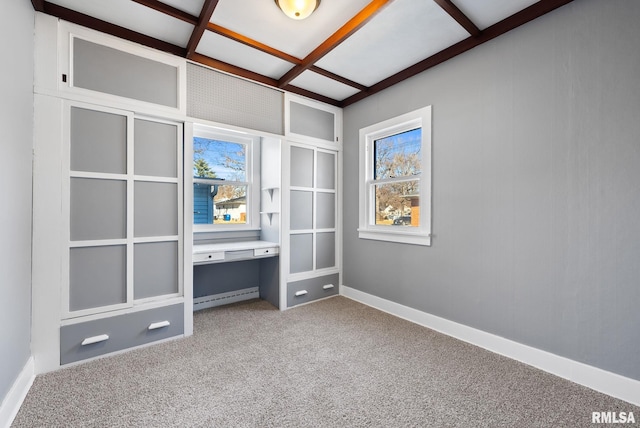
395 179
224 180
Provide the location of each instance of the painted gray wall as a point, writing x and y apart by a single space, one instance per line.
16 117
536 188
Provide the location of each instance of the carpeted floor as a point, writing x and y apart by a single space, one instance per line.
333 363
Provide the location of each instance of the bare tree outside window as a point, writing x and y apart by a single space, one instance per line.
397 163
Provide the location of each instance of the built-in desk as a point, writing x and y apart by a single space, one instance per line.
227 272
233 251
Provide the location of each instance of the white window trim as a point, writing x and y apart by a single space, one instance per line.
252 178
421 235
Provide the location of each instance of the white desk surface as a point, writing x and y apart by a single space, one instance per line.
232 246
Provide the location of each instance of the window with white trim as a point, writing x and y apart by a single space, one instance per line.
225 179
395 179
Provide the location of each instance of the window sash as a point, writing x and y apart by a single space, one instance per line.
398 179
250 181
368 229
386 149
371 218
217 181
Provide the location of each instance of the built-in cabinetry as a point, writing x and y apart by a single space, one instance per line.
299 217
311 182
108 225
123 199
117 259
236 255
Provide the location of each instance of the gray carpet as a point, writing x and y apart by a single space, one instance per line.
333 363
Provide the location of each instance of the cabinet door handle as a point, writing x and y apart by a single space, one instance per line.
95 339
327 287
301 293
157 325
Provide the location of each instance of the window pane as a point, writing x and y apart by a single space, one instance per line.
230 205
398 155
397 204
219 204
219 159
202 203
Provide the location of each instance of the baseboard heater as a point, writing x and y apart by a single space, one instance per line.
220 299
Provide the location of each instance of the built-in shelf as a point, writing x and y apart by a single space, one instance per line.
270 190
269 209
269 214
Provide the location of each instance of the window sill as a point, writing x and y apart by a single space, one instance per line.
395 236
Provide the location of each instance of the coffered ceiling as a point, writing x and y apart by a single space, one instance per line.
345 51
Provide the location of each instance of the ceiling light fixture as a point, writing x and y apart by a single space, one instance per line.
298 9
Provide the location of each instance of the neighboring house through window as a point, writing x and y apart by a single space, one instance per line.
395 179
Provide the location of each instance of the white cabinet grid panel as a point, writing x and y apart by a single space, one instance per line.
313 209
124 193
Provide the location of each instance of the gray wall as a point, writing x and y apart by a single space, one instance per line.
536 188
16 114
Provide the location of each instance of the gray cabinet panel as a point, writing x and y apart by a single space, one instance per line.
124 331
301 167
315 288
326 171
325 210
301 210
155 209
97 276
104 69
312 212
325 250
155 149
301 253
98 141
98 209
155 270
312 122
121 188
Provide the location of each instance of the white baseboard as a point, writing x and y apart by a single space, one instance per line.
12 402
612 384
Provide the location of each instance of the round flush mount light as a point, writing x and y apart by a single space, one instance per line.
298 9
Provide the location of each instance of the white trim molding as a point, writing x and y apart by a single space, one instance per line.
612 384
16 395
